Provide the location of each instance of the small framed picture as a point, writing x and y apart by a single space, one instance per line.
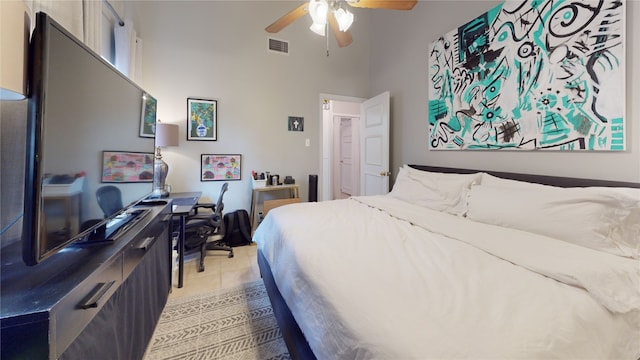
148 117
220 167
202 119
295 123
127 167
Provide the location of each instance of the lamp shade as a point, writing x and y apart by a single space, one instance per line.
14 37
166 135
344 19
318 11
318 28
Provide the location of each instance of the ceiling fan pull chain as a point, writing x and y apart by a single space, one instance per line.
327 37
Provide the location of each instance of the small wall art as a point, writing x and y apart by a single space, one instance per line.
531 75
295 123
148 117
127 167
217 167
202 119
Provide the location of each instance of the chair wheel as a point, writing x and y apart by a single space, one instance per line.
230 255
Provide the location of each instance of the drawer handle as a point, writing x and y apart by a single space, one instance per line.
91 301
146 243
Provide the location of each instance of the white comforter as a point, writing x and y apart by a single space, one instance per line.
375 277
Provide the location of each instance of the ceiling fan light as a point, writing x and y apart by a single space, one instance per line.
344 19
318 11
318 28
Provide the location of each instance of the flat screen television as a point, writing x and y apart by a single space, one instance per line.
85 130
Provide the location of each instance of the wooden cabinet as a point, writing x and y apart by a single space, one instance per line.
88 300
291 189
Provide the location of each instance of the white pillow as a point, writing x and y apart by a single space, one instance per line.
436 191
491 180
451 182
604 219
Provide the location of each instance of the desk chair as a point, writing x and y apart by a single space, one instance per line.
206 231
110 199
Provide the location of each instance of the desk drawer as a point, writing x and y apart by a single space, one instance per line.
79 307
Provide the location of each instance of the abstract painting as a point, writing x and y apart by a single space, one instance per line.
220 167
531 75
127 166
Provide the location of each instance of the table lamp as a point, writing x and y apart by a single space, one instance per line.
14 40
166 135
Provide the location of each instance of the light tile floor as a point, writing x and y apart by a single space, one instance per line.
220 272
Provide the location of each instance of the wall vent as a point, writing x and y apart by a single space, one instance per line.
279 46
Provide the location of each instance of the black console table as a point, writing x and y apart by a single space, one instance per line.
90 301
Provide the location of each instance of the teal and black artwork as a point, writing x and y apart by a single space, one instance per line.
528 75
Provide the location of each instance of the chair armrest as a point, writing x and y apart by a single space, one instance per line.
213 218
209 206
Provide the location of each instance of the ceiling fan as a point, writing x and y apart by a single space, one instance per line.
336 14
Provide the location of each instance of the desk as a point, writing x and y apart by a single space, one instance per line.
255 195
182 203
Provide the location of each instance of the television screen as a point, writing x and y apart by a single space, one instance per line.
89 126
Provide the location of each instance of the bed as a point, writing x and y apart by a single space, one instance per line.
456 263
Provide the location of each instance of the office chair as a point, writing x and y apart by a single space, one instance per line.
110 199
206 231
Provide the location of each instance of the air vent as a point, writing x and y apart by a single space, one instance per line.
279 46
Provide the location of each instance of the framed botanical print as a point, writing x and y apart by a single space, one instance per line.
148 117
202 119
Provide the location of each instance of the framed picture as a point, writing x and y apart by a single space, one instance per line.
127 167
295 123
221 167
148 117
202 119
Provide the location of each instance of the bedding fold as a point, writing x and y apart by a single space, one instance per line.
612 280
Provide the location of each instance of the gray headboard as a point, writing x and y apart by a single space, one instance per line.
540 179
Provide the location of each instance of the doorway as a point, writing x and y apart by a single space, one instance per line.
367 120
340 147
346 159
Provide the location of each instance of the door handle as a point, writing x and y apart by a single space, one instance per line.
91 301
146 243
385 173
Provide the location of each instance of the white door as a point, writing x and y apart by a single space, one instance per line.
374 145
346 156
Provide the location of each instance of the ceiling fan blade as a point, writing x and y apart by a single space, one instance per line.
288 18
384 4
342 37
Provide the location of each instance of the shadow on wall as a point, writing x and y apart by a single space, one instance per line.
13 130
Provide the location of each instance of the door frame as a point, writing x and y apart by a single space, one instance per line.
325 175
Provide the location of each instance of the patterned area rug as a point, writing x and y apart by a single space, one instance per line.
236 323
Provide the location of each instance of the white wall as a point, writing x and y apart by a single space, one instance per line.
401 66
218 50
